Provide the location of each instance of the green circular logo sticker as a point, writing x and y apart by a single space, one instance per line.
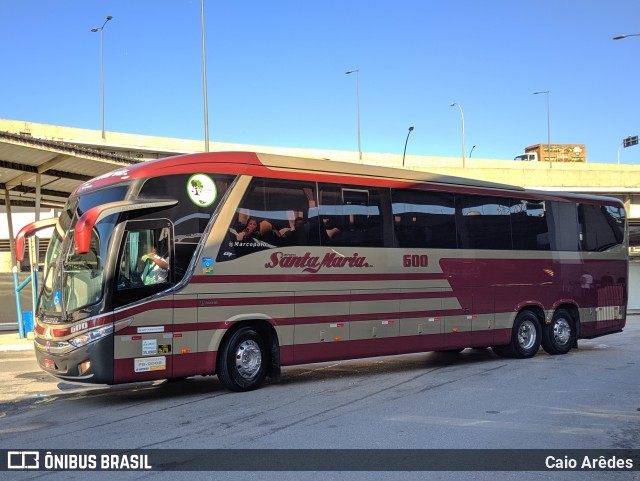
202 190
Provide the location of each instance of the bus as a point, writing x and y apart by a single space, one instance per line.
263 261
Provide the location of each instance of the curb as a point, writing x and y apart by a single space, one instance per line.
17 347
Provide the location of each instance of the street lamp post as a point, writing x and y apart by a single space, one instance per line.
357 72
453 104
204 82
619 37
101 30
619 145
405 144
546 92
471 153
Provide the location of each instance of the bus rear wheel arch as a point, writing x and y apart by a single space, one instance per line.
526 336
559 336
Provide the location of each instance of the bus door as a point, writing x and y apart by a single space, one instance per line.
144 350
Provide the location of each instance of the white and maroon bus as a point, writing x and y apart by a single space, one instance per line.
268 261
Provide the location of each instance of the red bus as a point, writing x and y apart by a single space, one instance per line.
235 264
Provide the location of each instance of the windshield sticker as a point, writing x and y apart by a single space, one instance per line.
202 190
207 265
56 298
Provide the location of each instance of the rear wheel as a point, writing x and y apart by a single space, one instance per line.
559 336
525 337
243 360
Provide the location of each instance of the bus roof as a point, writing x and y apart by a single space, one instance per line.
258 164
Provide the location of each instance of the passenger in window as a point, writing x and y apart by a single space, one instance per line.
296 232
156 268
271 235
250 230
332 231
267 230
294 235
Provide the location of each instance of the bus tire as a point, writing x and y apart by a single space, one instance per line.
525 337
243 361
559 336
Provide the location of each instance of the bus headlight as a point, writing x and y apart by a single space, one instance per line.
91 336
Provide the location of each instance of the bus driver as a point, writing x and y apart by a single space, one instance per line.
156 268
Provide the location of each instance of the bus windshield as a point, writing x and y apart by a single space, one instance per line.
73 281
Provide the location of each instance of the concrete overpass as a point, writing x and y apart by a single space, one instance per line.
619 180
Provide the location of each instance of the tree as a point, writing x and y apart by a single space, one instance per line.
197 186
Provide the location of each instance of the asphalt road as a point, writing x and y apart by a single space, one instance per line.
589 398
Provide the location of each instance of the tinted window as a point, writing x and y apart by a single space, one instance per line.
145 265
272 214
141 246
562 218
601 227
424 219
350 216
529 225
484 222
101 197
191 214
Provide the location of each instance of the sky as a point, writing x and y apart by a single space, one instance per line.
276 72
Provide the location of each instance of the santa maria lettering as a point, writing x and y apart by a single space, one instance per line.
313 264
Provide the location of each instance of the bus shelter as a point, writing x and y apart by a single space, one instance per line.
40 174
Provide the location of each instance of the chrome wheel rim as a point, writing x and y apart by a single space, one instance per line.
248 359
527 335
561 331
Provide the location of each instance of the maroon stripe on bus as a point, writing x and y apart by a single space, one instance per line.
316 299
149 306
189 364
291 321
370 316
362 348
63 332
243 279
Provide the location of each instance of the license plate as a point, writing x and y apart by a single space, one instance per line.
49 364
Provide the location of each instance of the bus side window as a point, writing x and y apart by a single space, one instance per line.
352 215
484 222
602 227
273 214
530 225
424 219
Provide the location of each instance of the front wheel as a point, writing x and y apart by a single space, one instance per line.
243 361
525 337
559 336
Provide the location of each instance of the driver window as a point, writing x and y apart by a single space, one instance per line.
145 259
